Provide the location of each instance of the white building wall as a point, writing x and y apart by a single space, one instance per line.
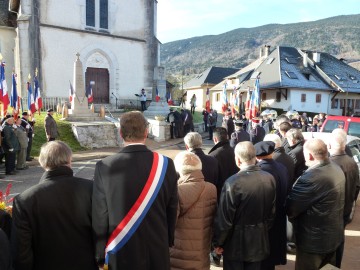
284 104
310 104
7 45
125 60
124 18
199 93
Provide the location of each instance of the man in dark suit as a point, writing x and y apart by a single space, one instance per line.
277 233
210 165
120 181
10 145
52 220
239 135
50 125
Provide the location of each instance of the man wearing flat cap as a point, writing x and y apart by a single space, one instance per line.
277 234
239 135
257 132
51 129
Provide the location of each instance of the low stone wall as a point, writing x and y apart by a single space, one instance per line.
97 134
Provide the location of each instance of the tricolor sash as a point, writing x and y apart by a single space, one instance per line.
138 211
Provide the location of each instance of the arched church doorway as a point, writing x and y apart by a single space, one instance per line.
99 79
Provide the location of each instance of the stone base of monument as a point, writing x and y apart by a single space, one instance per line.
97 134
159 131
157 108
83 116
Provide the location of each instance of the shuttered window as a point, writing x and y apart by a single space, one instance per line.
318 98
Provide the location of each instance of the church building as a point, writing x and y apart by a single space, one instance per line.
116 41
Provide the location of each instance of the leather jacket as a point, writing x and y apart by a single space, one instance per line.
241 231
315 207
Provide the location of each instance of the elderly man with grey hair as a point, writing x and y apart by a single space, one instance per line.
296 141
336 147
210 165
241 233
52 220
315 207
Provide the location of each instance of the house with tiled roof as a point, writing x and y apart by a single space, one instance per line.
203 81
305 81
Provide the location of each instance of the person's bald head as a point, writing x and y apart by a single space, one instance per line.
245 154
315 151
338 140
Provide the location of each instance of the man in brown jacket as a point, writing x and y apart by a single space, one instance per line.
51 129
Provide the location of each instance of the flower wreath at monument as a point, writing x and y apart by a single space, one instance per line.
5 203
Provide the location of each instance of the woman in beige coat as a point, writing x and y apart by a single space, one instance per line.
196 210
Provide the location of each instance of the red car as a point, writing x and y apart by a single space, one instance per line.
350 124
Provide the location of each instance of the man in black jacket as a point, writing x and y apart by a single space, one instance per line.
52 220
10 145
296 141
245 213
29 127
239 135
315 207
225 155
348 165
123 182
210 165
257 132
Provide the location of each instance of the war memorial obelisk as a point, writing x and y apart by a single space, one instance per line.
79 105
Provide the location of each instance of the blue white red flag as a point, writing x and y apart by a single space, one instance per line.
138 211
157 97
14 98
207 103
37 95
255 100
71 93
225 102
89 94
31 100
4 97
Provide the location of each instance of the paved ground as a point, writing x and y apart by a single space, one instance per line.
84 163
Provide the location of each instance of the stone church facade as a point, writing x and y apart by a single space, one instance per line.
116 41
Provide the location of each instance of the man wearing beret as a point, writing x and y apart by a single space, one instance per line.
277 234
51 129
239 135
257 132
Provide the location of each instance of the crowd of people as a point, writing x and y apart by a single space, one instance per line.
144 210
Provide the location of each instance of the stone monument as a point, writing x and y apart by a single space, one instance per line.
161 107
79 105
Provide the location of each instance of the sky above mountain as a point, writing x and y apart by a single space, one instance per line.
181 19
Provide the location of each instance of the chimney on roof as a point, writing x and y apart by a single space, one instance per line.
305 56
316 57
267 50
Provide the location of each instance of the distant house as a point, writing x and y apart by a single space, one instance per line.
203 81
294 79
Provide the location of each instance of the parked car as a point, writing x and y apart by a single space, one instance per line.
350 124
352 145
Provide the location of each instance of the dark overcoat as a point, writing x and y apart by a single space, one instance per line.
279 155
210 166
118 182
52 224
297 154
239 136
241 231
257 134
277 234
225 155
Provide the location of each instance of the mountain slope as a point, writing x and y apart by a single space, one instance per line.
339 36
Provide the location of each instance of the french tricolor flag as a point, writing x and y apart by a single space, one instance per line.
4 98
31 100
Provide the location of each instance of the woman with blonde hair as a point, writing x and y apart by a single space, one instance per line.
196 210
